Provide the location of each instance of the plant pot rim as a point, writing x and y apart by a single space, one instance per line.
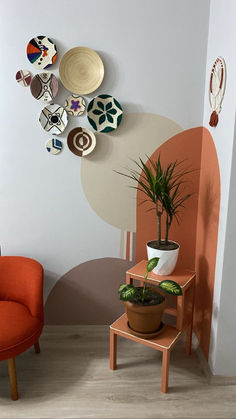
164 250
149 308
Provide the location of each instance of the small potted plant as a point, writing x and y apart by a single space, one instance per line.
145 305
164 188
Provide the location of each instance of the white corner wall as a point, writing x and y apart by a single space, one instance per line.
221 42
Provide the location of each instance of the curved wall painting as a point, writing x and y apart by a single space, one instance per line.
87 294
198 231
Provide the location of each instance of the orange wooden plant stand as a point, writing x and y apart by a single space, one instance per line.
166 341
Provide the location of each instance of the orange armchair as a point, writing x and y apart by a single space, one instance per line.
21 310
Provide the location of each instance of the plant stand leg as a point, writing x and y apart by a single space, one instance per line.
12 376
189 330
113 347
37 348
188 346
165 370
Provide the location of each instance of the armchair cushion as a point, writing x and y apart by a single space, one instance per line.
18 329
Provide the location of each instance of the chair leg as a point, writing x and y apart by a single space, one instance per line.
12 376
37 348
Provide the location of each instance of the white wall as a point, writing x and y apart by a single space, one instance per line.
221 42
154 54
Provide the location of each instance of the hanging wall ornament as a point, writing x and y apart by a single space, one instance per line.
217 89
81 141
104 113
41 52
53 119
44 87
75 105
54 146
23 77
81 70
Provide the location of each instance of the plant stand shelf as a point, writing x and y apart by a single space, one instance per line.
166 341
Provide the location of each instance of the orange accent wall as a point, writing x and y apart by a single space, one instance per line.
197 233
206 240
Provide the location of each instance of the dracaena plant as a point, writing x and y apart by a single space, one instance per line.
129 292
164 187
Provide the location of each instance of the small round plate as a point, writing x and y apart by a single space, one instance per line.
81 70
54 146
104 113
147 335
44 87
81 141
41 52
75 105
23 77
53 119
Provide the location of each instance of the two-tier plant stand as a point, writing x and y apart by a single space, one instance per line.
183 312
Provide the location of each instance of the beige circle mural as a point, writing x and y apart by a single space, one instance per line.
107 192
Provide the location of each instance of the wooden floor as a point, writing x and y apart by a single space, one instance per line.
71 379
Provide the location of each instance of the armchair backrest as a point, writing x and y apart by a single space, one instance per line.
21 280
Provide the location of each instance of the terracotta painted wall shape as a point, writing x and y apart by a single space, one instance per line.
198 232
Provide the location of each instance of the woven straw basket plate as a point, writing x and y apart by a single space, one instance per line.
81 70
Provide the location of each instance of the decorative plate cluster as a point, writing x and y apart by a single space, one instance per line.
81 72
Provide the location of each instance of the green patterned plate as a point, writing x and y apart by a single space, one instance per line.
104 113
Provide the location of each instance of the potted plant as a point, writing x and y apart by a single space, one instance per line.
145 305
164 188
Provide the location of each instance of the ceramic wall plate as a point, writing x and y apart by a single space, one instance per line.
44 87
75 105
104 113
53 119
81 141
81 70
23 77
54 146
41 52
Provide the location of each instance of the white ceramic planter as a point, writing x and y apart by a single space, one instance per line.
167 259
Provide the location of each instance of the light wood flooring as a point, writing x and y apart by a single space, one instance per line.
71 379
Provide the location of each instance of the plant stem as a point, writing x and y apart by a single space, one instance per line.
144 286
167 229
159 214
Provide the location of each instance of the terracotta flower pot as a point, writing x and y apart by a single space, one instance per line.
145 319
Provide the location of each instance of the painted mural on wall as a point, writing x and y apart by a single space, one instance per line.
139 134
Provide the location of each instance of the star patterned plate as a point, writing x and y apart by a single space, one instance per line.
104 113
75 105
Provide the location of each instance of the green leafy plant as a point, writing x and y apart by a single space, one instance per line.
164 187
144 295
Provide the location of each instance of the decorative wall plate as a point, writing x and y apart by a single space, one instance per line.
75 105
81 70
44 86
54 146
81 141
104 113
53 119
217 89
23 77
41 52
